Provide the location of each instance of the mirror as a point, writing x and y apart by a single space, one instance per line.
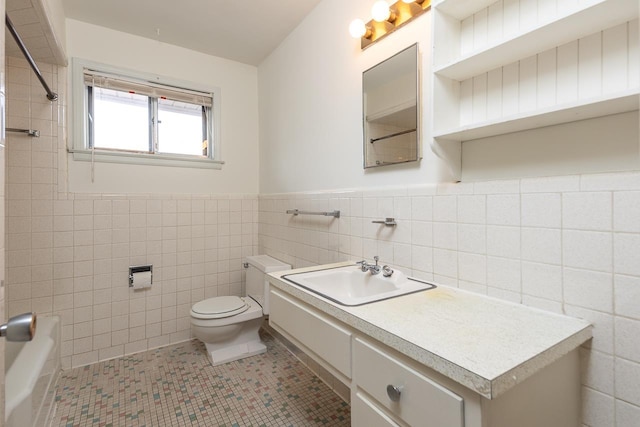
390 110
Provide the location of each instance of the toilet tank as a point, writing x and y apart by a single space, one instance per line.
257 285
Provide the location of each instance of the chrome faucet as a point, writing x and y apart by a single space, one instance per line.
372 268
387 271
375 268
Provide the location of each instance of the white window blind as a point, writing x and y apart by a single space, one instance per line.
115 82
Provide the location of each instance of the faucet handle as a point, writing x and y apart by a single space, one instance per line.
363 265
387 271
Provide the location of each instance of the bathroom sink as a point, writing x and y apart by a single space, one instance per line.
350 286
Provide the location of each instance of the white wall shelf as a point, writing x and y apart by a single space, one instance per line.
460 9
565 113
504 66
569 26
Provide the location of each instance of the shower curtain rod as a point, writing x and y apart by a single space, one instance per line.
51 96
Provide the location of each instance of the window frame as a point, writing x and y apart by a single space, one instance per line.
79 145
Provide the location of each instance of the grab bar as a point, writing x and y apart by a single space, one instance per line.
51 96
295 212
30 132
372 140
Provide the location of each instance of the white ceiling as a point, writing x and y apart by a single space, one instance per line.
241 30
245 31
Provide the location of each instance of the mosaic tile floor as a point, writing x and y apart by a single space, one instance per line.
177 386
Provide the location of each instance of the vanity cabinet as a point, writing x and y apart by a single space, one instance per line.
382 381
368 414
429 399
369 368
389 388
329 341
512 65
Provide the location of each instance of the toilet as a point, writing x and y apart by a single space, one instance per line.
229 325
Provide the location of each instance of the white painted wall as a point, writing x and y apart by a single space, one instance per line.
311 124
605 144
311 104
238 83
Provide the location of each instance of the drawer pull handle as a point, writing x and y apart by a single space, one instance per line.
394 392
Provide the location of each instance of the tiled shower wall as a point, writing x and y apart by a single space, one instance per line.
68 254
565 244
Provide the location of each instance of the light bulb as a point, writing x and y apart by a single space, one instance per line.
408 1
357 28
380 11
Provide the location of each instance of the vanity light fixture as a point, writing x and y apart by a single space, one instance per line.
386 19
380 12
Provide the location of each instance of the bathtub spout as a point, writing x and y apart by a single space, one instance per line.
19 328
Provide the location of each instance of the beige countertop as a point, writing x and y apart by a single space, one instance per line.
483 343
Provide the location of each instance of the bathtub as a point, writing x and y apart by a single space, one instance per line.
31 371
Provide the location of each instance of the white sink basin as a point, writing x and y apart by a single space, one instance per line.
350 286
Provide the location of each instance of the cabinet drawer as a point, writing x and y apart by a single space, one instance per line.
422 402
365 414
318 332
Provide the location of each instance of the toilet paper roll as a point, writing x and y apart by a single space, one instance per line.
142 280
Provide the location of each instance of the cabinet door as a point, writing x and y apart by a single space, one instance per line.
365 414
318 332
420 402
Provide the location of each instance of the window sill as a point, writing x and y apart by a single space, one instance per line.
145 159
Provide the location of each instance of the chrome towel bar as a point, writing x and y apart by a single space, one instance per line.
295 212
30 132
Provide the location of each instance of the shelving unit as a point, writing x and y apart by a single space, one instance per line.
549 34
580 110
460 9
512 65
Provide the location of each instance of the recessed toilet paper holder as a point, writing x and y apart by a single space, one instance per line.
139 269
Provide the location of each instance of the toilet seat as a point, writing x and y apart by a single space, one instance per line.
219 307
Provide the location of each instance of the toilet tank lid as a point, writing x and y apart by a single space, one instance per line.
267 264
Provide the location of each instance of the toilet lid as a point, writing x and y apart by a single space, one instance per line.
218 307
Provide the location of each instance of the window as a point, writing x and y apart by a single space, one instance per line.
128 118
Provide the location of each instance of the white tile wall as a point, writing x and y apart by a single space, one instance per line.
588 289
503 241
627 211
627 295
588 210
626 415
541 210
68 254
627 257
542 245
598 408
566 244
597 371
627 386
83 273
